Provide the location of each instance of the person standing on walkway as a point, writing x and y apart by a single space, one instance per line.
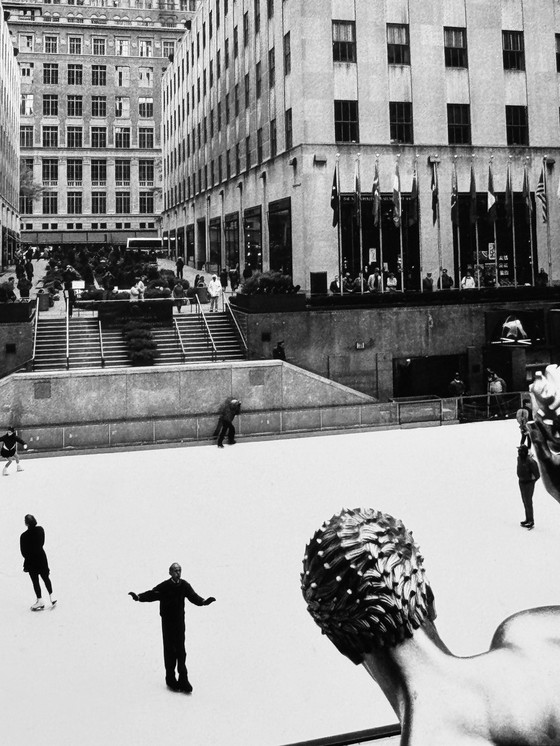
214 291
35 562
9 449
179 264
29 270
224 279
225 423
171 595
527 474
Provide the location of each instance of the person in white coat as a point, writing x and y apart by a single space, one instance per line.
214 291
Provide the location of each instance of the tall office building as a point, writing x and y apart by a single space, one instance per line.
90 115
9 138
317 138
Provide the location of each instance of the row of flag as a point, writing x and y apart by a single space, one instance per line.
540 194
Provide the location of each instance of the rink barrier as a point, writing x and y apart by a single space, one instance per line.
385 735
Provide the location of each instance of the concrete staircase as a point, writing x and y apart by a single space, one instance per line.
50 344
196 343
114 348
85 345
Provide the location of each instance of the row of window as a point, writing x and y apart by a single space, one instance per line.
99 45
347 128
75 106
82 227
97 174
75 137
75 203
454 45
75 75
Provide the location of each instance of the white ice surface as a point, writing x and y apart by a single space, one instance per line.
90 672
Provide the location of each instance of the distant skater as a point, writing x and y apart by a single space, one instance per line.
35 562
9 449
523 415
527 474
225 423
171 595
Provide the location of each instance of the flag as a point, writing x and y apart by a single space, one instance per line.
509 196
357 190
335 197
397 197
376 209
413 210
541 195
435 193
491 199
527 195
454 197
473 215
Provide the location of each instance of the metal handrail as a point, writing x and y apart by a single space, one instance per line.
101 343
208 332
178 333
357 737
35 332
67 333
241 335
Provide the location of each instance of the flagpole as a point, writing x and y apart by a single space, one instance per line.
476 235
380 222
494 222
400 227
438 218
513 244
419 221
339 227
458 223
548 244
359 216
529 212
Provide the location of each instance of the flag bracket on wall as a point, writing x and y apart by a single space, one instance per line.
434 159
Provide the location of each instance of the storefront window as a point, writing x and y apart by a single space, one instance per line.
252 231
280 235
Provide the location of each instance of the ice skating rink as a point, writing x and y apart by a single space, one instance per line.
90 672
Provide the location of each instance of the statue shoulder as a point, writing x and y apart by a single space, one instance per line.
528 628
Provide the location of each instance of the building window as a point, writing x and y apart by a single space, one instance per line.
50 203
25 204
50 136
398 46
146 172
122 203
455 47
98 172
258 80
288 129
26 104
122 172
99 106
122 76
50 171
99 137
246 28
75 106
50 105
50 45
74 138
273 138
459 124
98 203
145 48
25 42
226 54
270 8
344 41
259 145
26 136
99 74
122 47
122 107
99 47
400 121
287 54
50 73
26 70
75 44
227 109
271 68
146 108
236 100
146 203
513 50
557 53
75 74
74 203
146 77
122 137
146 138
517 125
168 47
74 171
346 125
235 43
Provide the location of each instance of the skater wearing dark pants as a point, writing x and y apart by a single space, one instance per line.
35 562
527 474
9 449
225 423
171 595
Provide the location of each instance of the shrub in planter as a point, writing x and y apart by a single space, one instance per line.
268 282
141 346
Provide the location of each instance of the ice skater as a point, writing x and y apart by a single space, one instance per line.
225 423
171 595
9 449
365 586
527 475
35 561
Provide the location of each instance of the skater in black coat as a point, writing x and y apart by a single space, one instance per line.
225 423
171 595
9 449
35 562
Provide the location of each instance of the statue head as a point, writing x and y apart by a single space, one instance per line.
544 429
364 584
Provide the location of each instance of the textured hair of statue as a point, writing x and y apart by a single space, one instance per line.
364 583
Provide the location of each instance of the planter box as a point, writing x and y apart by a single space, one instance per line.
16 313
157 311
269 303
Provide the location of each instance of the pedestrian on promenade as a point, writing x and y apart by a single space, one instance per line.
179 264
224 278
214 291
527 475
31 544
179 295
171 595
225 423
9 449
279 353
